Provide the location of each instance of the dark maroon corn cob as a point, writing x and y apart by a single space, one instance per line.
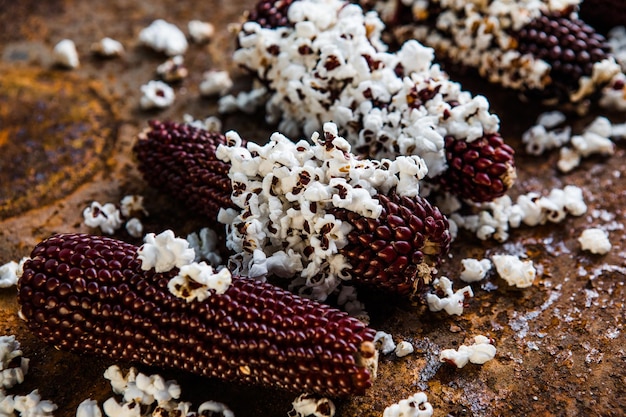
396 251
180 159
88 294
481 170
603 14
271 13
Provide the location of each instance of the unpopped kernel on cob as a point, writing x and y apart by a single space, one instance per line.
98 295
309 211
539 47
327 62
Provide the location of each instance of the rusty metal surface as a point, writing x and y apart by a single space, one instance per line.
65 140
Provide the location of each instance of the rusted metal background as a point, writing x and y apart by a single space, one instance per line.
65 140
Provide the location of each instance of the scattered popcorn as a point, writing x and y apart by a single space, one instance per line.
11 374
308 405
474 269
29 405
215 83
134 227
452 302
204 243
244 101
214 408
416 405
595 241
107 217
515 271
479 352
164 252
211 123
403 349
88 408
200 31
384 342
65 54
10 273
107 47
156 95
284 191
173 69
595 139
194 281
164 37
547 134
132 205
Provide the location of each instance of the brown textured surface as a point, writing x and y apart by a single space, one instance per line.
560 342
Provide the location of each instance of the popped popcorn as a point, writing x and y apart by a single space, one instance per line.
194 281
65 54
173 70
215 83
211 123
479 352
452 302
107 217
515 271
595 240
164 252
403 349
11 375
107 47
30 405
156 95
132 205
474 269
164 37
204 243
384 342
307 405
200 31
10 272
88 408
416 405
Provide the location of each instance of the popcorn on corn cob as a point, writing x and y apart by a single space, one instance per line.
286 219
90 294
539 47
328 63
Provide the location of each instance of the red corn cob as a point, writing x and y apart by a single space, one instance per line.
414 242
603 14
271 13
89 294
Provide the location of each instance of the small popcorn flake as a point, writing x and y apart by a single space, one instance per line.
65 54
10 374
215 83
474 269
164 252
211 123
452 302
308 405
200 31
204 243
173 69
107 48
479 352
156 95
416 405
194 281
384 342
214 408
515 271
132 206
107 217
134 227
403 349
595 241
164 37
8 274
88 408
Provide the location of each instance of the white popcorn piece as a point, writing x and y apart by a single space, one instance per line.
114 409
118 381
196 280
164 37
88 408
215 83
595 240
134 227
156 95
416 405
614 94
132 205
65 54
515 271
9 351
204 243
107 217
108 48
474 270
452 302
215 408
211 123
9 274
568 159
32 405
479 352
384 342
200 31
308 405
164 252
403 349
173 70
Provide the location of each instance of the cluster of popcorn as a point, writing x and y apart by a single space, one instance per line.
495 218
416 405
537 46
307 405
445 298
147 396
386 345
517 272
286 193
110 217
551 132
329 64
13 368
479 352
